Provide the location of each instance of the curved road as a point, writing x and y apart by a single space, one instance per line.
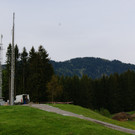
66 113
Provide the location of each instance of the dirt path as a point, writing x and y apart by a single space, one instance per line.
66 113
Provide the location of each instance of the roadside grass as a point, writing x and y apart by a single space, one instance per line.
92 114
131 122
24 120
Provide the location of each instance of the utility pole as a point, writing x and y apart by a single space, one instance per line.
12 65
1 99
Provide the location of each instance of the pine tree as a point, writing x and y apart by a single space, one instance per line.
40 72
24 59
8 72
17 56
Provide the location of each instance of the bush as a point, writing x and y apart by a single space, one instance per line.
104 112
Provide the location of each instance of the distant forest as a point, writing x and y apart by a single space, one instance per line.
115 92
93 67
110 85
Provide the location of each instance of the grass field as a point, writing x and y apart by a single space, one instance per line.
89 113
23 120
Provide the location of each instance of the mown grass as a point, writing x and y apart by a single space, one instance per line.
23 120
92 114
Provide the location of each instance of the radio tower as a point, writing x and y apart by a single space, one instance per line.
1 99
12 66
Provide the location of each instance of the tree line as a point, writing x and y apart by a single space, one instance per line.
32 72
34 75
115 92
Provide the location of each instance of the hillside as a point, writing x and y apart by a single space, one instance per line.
92 114
34 121
93 67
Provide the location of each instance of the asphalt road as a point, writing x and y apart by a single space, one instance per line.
66 113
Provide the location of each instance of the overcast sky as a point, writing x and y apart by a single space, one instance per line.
72 28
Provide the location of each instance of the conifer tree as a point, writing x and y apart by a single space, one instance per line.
40 72
8 72
24 59
17 56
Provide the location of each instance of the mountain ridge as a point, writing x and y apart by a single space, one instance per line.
91 66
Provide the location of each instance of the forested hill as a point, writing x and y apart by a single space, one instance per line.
93 67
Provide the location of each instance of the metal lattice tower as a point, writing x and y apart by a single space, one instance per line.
1 69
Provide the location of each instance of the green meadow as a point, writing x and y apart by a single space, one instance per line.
92 114
24 120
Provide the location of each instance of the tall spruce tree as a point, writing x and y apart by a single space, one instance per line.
17 56
7 74
24 59
40 72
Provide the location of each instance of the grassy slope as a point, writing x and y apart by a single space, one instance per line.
132 122
23 120
92 114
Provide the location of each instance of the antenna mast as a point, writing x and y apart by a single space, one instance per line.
12 65
1 99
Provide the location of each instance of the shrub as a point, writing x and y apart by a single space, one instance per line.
104 112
